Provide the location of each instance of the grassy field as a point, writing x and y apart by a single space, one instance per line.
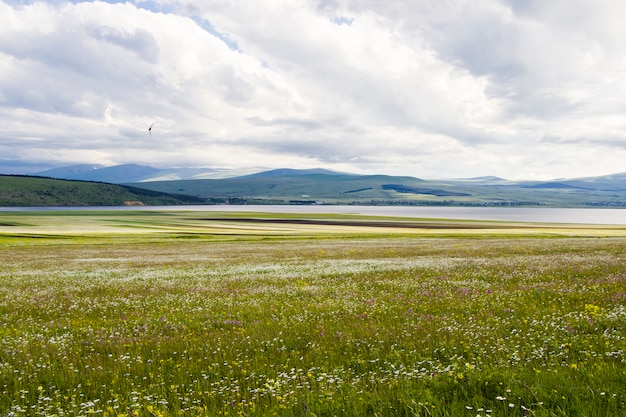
190 313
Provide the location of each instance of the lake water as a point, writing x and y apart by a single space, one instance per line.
517 214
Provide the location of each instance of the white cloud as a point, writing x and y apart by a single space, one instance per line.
429 88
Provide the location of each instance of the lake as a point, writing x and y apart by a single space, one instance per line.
516 214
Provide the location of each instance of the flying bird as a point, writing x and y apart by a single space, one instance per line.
150 129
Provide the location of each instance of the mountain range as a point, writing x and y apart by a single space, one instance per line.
314 186
128 173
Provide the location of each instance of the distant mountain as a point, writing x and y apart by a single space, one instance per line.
122 173
613 182
115 174
556 184
72 172
289 172
605 182
291 186
172 174
620 176
488 178
27 191
310 186
132 173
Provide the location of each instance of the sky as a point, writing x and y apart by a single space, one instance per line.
520 89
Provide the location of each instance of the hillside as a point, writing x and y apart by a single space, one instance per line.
315 186
23 191
302 187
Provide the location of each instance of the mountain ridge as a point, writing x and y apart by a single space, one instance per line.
322 186
124 173
289 187
130 173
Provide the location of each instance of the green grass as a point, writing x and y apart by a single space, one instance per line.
151 314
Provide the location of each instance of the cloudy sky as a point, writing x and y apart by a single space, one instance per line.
522 89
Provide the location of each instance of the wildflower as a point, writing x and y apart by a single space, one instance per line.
593 309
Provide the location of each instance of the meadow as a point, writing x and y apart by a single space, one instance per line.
190 314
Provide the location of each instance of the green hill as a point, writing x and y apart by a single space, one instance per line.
317 186
285 187
327 188
24 191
